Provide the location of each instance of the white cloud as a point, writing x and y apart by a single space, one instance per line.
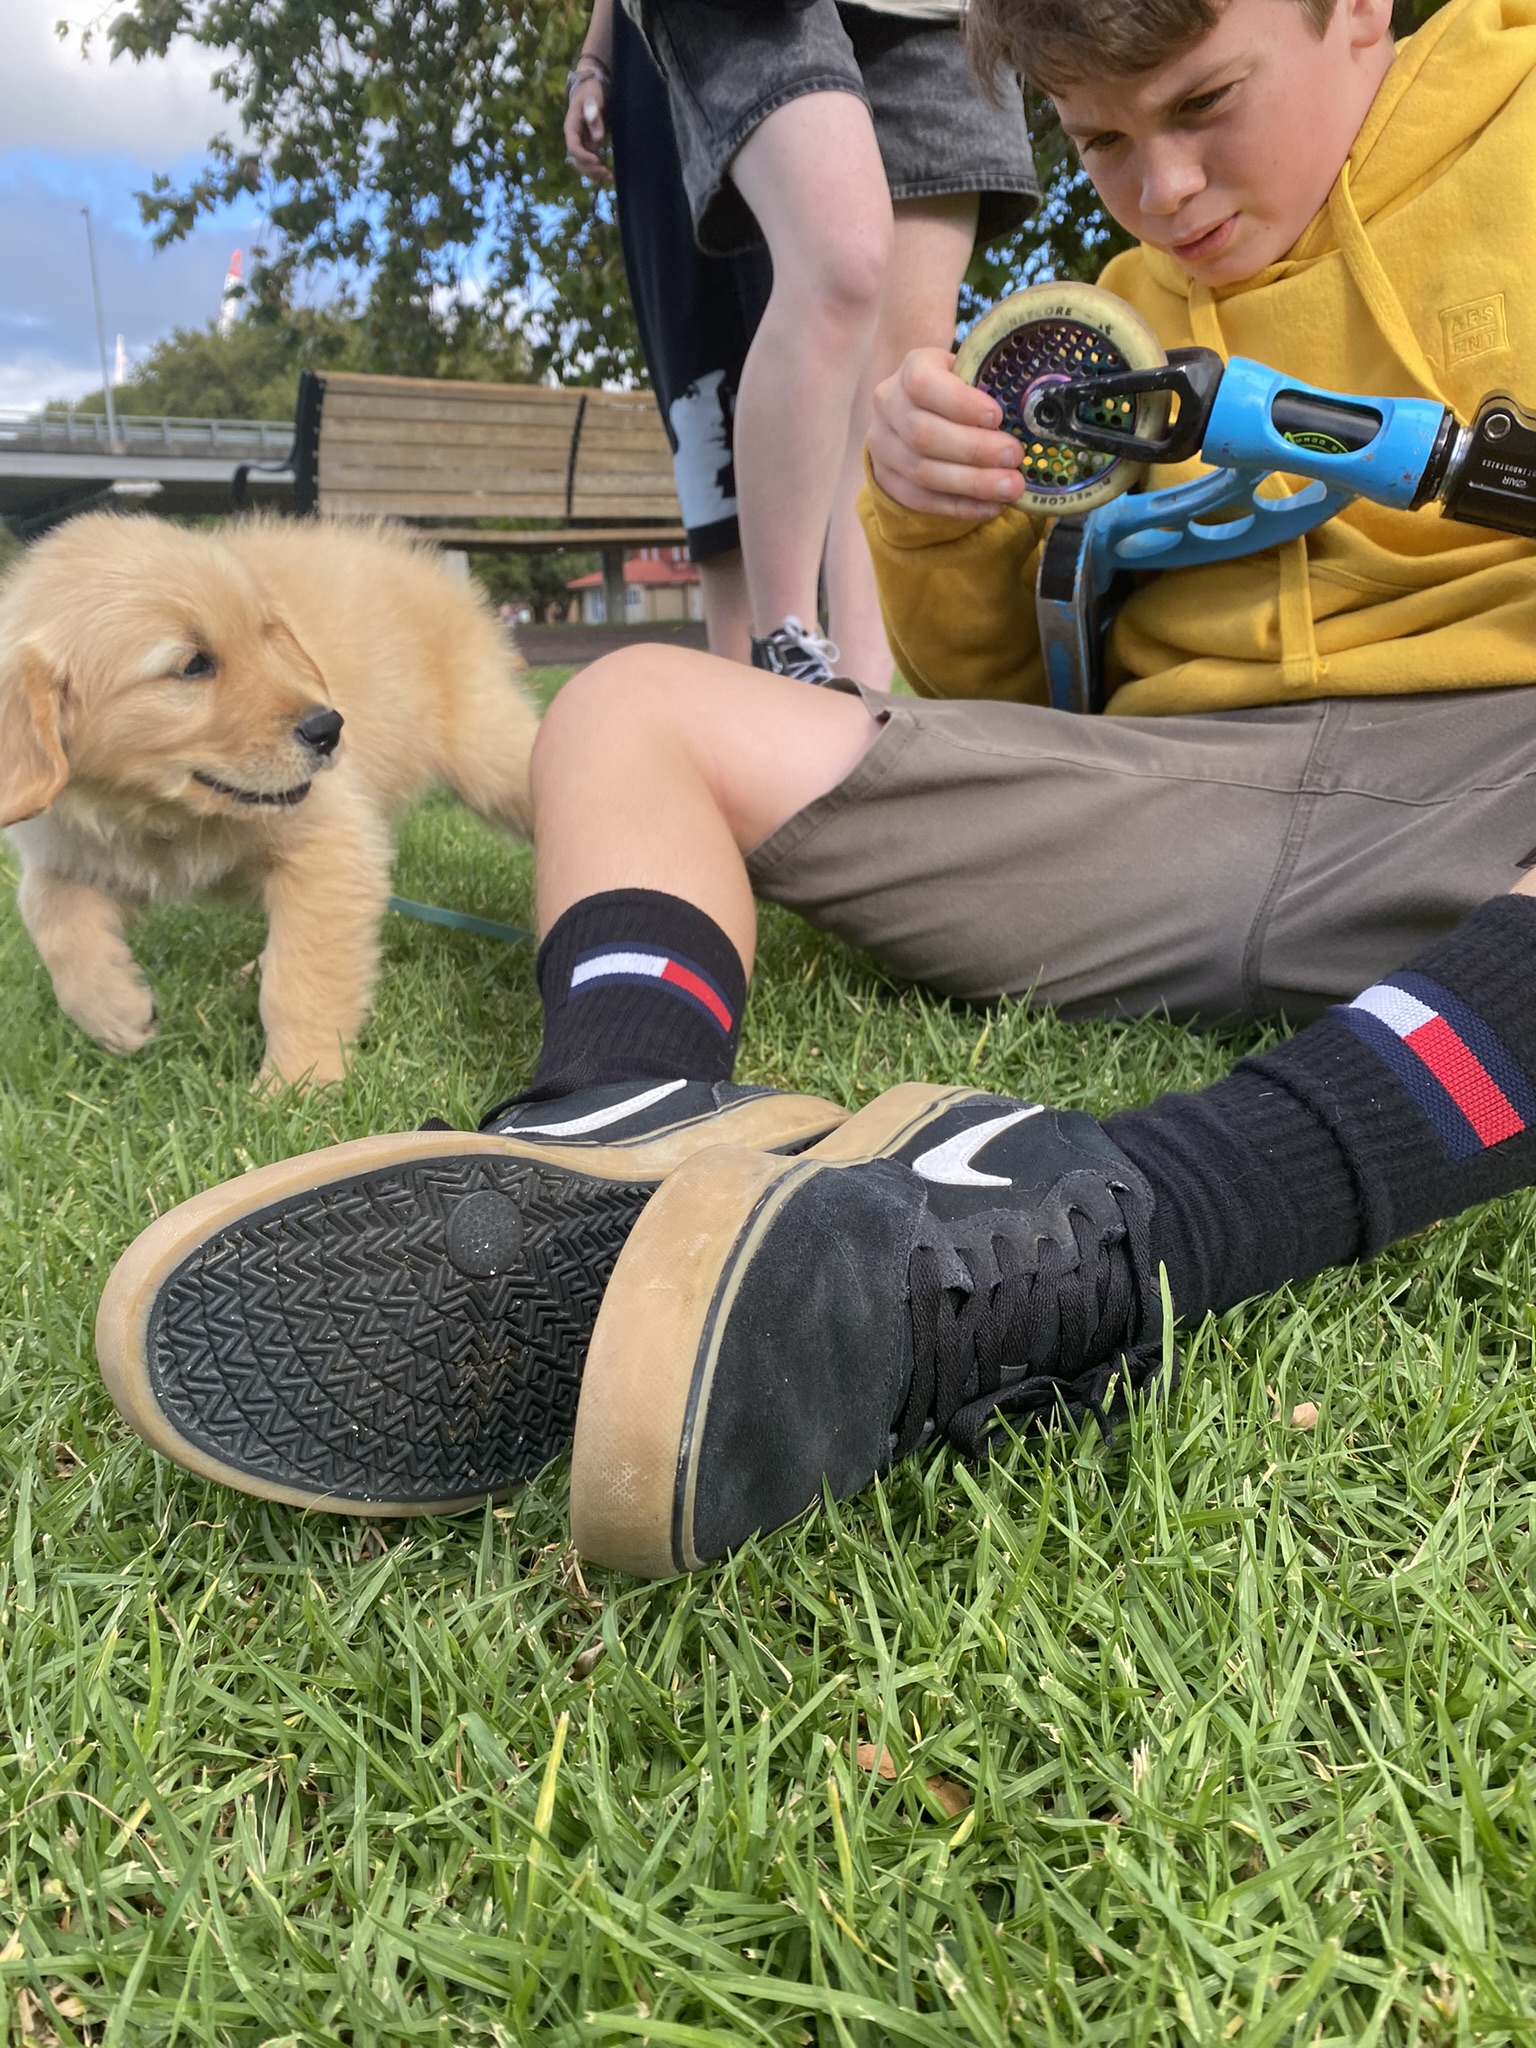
47 324
28 380
81 131
52 99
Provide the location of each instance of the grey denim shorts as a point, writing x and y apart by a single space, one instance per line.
1219 868
938 131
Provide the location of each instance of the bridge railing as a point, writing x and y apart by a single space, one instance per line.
55 431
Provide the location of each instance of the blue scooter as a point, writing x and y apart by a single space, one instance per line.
1093 399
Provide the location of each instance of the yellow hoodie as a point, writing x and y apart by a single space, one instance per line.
1417 279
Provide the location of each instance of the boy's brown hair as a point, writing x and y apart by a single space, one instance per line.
1061 42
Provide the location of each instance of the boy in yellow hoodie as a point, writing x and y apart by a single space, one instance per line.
1394 272
785 1298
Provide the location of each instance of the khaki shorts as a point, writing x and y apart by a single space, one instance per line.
1241 865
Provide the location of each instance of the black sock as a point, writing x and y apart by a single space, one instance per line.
1411 1103
637 986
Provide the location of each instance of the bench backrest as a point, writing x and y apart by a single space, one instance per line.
420 447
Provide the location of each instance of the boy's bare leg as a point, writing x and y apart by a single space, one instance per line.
659 768
654 771
929 253
812 174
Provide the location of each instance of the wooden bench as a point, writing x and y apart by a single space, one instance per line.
593 467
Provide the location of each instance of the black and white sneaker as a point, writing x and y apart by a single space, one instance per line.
397 1325
797 650
944 1260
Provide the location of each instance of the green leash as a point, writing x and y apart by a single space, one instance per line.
460 921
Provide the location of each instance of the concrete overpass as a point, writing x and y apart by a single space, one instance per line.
56 463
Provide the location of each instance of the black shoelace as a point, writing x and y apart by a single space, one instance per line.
1010 1320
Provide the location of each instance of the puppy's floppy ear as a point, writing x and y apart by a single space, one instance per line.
32 765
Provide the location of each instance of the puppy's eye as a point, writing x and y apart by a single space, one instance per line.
199 666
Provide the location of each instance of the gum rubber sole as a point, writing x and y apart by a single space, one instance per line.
395 1326
650 1367
303 1333
769 1122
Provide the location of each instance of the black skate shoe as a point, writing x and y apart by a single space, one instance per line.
397 1326
945 1259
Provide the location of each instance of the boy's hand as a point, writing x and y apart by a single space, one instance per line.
936 444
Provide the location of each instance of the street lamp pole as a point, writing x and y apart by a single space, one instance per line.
101 332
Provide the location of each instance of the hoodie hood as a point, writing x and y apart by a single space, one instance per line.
1446 84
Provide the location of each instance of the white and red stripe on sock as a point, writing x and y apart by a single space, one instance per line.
612 966
1472 1090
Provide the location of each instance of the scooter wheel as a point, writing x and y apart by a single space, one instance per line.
1049 333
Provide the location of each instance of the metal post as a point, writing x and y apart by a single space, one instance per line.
613 585
101 332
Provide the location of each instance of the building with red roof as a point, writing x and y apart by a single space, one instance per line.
659 583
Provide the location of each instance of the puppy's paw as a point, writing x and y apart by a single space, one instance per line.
299 1070
117 1010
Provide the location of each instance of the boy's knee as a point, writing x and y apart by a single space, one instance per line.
578 717
630 700
615 686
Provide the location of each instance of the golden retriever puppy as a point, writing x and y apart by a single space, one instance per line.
250 708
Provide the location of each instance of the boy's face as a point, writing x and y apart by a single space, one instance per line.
1223 154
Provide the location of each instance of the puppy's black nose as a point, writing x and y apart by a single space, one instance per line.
319 731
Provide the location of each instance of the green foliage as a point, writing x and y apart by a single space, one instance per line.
1070 235
1244 1712
1407 15
253 371
390 142
535 579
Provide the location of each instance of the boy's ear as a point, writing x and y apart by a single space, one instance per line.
32 765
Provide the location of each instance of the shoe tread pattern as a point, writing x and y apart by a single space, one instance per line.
329 1343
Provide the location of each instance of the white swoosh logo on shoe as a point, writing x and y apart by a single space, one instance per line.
950 1163
598 1119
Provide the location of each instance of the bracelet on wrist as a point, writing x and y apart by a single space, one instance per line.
587 70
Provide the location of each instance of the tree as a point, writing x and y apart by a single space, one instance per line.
404 144
416 146
536 580
252 372
1069 235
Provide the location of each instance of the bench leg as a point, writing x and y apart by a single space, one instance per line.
613 585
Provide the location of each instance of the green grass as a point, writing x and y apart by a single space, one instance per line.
1244 1713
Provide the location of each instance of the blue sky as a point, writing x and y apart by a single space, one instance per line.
79 133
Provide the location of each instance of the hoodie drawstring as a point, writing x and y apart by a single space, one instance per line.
1375 287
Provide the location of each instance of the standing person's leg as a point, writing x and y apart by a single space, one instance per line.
696 314
727 607
958 163
930 249
811 173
